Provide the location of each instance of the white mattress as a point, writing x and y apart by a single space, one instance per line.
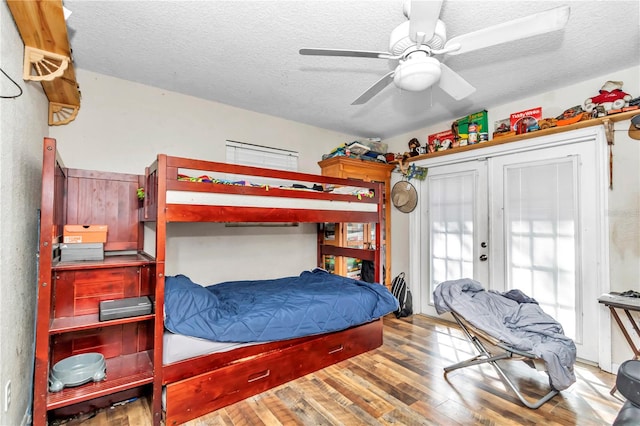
178 347
240 200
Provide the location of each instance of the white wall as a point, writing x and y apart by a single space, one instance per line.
23 124
122 126
624 199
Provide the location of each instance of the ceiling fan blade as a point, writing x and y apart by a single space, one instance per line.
375 89
342 52
528 26
452 83
423 15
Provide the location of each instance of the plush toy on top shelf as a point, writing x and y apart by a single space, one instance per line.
611 97
414 144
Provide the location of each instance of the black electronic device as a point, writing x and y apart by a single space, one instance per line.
124 308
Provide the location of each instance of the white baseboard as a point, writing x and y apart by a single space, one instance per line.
614 368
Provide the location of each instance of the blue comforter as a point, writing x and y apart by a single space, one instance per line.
258 311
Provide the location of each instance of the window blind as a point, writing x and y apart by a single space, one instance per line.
261 156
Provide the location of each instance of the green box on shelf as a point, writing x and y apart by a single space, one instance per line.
478 119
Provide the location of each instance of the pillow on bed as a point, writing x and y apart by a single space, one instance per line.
182 297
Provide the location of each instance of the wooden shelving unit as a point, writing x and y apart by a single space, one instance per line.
69 293
48 56
369 171
88 322
123 373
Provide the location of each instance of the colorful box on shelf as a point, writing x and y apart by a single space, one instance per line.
440 141
84 234
473 128
525 121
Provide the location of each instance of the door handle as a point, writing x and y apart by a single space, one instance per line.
483 257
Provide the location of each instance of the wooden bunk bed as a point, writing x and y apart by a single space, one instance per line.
69 292
200 385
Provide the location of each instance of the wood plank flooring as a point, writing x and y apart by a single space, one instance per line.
402 383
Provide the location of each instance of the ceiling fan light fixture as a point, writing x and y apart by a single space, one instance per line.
417 73
399 41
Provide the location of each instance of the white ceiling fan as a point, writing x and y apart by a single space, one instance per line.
414 44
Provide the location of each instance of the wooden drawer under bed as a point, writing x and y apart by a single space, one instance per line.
210 390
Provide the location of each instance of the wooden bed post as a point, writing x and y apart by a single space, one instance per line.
161 236
50 232
380 228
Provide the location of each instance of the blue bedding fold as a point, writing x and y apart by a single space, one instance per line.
265 310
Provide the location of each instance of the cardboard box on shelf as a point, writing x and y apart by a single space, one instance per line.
84 234
502 128
525 121
440 141
473 128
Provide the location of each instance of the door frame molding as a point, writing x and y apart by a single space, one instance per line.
596 134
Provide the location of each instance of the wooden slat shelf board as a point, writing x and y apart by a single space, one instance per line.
108 262
364 254
90 321
123 372
506 139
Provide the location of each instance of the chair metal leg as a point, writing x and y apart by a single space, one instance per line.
485 357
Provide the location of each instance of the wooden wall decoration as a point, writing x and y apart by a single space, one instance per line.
47 56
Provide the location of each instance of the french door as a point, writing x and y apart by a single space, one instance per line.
526 219
453 206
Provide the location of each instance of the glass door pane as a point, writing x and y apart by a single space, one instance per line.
456 226
540 223
544 229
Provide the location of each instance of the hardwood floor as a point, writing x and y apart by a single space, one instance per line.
402 383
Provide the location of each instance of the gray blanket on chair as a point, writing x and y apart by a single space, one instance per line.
522 326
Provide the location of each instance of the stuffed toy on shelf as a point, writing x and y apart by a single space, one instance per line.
611 97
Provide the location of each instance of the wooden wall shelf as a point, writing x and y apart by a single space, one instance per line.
48 56
607 121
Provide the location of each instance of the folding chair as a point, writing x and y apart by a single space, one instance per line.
486 357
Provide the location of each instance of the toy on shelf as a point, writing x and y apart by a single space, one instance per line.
572 115
503 128
414 144
569 116
611 97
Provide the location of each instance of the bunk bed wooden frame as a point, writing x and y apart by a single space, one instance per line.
134 346
203 384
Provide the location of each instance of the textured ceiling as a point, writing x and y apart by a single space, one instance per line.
245 54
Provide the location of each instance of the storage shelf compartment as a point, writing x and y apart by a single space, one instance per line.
108 262
90 321
123 372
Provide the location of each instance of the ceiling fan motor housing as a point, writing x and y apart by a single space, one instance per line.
418 72
399 41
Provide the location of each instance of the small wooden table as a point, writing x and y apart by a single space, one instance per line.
614 301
